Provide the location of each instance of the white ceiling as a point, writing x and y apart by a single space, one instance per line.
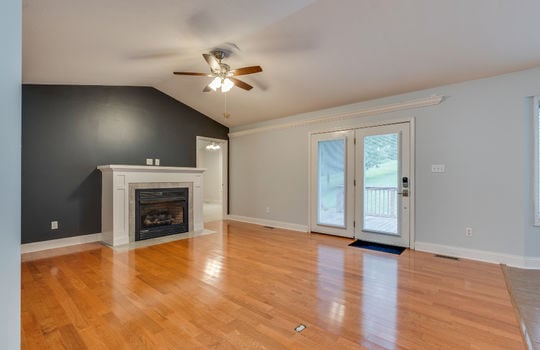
314 54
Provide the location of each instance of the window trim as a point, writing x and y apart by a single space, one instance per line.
536 162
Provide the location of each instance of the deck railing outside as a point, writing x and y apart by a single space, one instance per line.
380 202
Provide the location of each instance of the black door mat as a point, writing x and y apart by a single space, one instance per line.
378 247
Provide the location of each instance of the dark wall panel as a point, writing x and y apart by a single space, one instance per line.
69 130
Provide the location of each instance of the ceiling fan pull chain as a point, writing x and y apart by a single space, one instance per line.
226 114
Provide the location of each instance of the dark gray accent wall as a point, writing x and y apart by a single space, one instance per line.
69 130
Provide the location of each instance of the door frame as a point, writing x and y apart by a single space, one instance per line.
412 162
224 168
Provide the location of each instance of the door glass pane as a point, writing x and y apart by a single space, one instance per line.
331 182
381 183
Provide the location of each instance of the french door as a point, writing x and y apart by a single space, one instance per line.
383 184
361 183
332 208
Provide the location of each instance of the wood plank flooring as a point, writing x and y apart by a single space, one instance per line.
248 287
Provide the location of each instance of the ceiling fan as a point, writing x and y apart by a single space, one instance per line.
223 74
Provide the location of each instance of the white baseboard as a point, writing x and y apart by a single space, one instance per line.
265 222
532 263
59 243
480 255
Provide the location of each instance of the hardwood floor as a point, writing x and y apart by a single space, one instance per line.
248 287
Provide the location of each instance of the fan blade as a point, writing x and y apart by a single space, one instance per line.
212 62
246 70
206 89
241 84
191 73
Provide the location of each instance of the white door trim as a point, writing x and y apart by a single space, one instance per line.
412 183
224 168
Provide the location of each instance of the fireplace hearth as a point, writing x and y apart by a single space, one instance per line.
160 212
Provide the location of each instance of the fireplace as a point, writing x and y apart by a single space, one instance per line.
160 212
118 202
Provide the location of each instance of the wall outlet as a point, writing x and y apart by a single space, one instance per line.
267 210
156 161
468 231
54 225
149 161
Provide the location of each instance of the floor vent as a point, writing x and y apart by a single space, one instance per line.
446 257
270 227
300 327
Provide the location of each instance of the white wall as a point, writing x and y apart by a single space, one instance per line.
10 176
481 131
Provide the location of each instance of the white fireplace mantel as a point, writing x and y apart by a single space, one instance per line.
118 181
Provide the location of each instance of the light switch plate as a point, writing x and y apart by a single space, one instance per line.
438 168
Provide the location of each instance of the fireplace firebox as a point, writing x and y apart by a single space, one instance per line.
160 212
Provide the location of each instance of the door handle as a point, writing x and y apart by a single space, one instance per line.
405 188
405 193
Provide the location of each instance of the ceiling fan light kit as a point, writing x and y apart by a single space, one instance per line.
218 82
223 74
226 85
215 84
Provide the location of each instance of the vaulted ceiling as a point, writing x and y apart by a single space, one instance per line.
314 54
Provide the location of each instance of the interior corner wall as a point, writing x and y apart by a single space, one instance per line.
482 132
67 131
10 176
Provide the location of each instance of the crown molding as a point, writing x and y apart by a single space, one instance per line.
392 107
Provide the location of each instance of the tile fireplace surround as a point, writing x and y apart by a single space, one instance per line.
118 191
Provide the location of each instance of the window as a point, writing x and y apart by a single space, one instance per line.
536 110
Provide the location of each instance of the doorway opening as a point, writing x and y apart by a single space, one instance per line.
212 155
